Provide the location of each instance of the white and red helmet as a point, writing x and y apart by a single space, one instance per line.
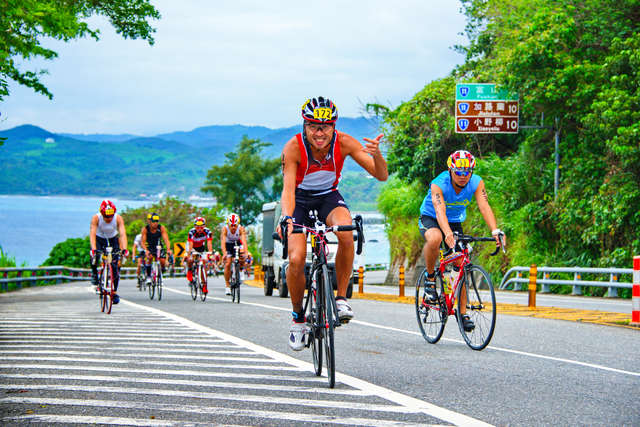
461 161
199 222
107 208
233 219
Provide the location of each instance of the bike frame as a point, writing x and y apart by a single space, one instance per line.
454 258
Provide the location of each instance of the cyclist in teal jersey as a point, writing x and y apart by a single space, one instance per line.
444 209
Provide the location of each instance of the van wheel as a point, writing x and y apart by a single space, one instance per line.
268 281
282 283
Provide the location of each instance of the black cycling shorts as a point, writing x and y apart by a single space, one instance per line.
427 222
324 204
230 246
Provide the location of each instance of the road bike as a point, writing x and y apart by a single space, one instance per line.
142 276
234 281
156 275
469 290
320 308
199 274
106 278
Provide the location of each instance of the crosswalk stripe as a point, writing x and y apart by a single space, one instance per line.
118 349
218 384
291 416
243 397
111 337
181 357
182 372
123 344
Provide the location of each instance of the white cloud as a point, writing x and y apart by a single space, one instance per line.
242 62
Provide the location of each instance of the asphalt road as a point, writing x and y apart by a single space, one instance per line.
180 362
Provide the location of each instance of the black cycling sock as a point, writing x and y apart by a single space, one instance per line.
431 275
298 317
339 298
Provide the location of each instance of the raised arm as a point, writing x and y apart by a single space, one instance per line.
369 157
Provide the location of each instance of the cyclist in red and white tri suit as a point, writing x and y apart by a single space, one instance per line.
232 234
311 164
198 235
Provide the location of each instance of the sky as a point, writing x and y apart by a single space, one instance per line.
241 62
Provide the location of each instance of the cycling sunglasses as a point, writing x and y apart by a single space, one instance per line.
462 172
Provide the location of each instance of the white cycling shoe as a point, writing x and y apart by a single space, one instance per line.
345 313
297 333
227 291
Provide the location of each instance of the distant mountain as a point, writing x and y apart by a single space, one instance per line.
36 161
99 137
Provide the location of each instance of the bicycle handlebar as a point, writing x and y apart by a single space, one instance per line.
462 239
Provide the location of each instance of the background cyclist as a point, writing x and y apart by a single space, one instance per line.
138 254
444 209
312 164
107 229
152 234
198 235
232 234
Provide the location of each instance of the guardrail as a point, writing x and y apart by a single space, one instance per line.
577 283
56 274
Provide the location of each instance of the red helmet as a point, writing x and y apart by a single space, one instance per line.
461 161
233 219
107 208
199 222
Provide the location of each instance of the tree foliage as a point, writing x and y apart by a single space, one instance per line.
70 253
577 61
25 24
246 180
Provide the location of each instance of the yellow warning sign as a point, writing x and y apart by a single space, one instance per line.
178 249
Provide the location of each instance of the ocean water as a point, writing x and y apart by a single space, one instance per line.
31 225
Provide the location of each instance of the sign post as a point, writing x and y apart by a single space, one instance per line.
482 108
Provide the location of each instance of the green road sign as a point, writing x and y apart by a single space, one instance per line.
481 92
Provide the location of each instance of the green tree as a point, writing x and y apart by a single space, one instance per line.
25 23
246 180
70 253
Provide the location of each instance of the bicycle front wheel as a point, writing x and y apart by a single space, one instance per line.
152 285
194 288
330 320
203 282
315 321
480 307
235 287
109 289
159 283
431 314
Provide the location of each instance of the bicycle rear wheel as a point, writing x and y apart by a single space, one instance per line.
203 282
431 315
480 307
316 323
330 319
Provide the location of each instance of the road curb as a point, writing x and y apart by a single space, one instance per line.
573 315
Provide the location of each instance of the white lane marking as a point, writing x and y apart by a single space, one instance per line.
506 350
116 337
113 333
178 372
241 397
125 344
236 412
81 419
110 354
398 398
217 384
149 351
111 360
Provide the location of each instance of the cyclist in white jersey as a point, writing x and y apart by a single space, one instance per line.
232 234
138 253
107 229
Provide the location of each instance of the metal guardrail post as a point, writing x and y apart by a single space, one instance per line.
612 291
577 289
533 286
5 286
401 281
517 286
635 293
361 279
545 286
19 284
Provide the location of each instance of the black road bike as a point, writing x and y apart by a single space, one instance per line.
320 307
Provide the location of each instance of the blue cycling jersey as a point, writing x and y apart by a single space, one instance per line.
456 203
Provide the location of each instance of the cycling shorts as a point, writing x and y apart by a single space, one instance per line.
427 222
324 204
230 246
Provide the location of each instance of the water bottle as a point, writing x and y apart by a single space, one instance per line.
446 277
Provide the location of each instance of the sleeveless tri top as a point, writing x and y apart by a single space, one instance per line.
154 238
232 237
107 230
319 177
